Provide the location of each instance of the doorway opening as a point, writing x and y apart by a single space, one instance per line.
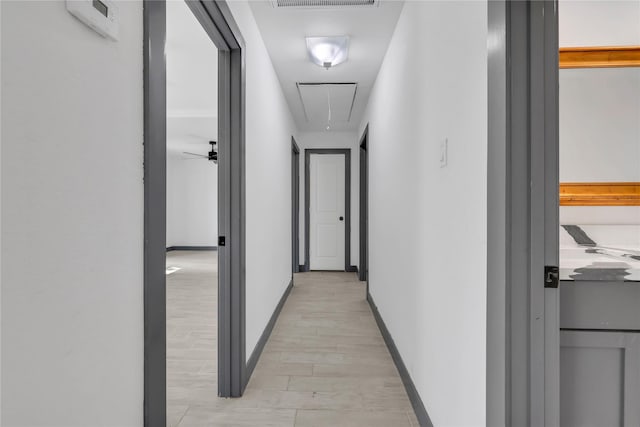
295 206
215 18
328 209
599 217
363 267
192 211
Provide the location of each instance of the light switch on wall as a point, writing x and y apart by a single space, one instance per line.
444 146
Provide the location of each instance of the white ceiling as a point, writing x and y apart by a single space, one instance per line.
192 82
284 31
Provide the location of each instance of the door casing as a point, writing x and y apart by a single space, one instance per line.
217 20
522 229
295 206
363 266
347 201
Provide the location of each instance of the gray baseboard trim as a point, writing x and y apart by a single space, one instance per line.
255 356
414 397
192 248
349 269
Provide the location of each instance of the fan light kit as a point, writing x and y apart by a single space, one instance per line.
328 52
212 155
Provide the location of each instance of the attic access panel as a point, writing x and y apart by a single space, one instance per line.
323 3
327 103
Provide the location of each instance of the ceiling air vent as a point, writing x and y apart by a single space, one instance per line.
323 3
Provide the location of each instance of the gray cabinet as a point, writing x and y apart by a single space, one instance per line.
599 379
599 354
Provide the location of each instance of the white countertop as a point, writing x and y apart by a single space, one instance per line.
601 252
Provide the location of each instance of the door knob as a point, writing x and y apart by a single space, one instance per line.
341 218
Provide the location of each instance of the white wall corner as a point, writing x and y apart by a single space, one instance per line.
269 127
0 214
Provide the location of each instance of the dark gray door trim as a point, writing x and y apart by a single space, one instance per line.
155 152
347 201
522 227
498 366
232 367
295 206
363 266
218 22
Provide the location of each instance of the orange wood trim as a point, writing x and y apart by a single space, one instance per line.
600 194
600 57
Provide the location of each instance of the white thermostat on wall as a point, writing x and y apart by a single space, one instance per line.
100 15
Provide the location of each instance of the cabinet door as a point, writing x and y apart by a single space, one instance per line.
600 379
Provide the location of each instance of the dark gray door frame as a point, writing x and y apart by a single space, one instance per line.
155 157
363 266
522 200
347 201
218 22
295 206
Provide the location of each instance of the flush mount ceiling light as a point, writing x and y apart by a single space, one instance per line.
328 52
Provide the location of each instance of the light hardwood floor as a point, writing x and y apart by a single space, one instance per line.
192 329
325 364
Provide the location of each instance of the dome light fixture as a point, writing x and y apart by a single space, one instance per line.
328 52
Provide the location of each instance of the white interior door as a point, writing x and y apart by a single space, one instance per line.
326 212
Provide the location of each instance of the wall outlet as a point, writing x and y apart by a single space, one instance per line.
444 148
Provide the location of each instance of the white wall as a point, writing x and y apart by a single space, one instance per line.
269 127
350 140
0 216
192 201
600 125
599 108
192 104
598 22
427 223
72 215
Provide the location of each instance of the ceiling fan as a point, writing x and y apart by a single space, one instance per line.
212 156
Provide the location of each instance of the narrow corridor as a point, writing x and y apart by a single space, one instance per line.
325 364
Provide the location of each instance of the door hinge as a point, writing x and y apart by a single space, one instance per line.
551 276
221 241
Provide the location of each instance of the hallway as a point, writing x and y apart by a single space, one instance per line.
93 87
325 364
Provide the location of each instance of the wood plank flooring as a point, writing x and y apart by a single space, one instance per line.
325 364
192 328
